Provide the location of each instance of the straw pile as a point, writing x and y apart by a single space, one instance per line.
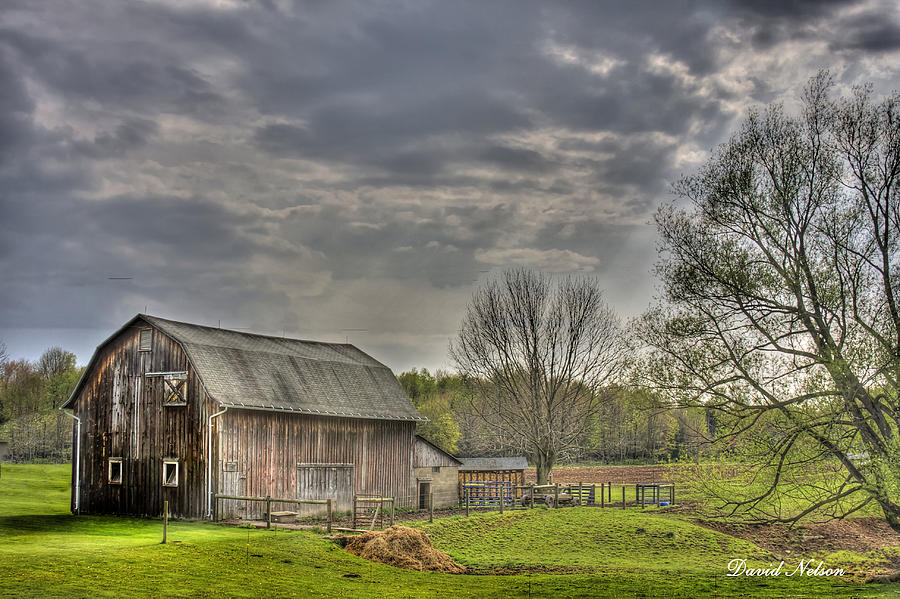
403 547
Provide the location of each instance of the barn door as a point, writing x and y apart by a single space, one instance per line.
325 481
234 483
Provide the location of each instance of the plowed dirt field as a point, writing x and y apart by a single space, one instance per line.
614 474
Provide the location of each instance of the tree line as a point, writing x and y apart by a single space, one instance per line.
629 426
30 396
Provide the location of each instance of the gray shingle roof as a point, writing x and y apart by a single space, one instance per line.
485 464
245 370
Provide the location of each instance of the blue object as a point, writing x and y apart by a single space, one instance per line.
663 503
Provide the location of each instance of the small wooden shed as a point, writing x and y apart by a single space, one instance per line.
510 469
436 473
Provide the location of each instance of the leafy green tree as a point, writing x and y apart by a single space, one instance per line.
435 398
781 278
30 395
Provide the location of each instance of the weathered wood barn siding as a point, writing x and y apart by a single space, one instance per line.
428 456
260 452
122 416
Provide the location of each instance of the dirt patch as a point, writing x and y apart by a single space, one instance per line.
859 534
403 547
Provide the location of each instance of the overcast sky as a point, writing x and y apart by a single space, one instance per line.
316 168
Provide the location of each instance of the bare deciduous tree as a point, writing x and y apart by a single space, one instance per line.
781 280
539 353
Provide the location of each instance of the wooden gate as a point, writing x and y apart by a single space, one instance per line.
325 481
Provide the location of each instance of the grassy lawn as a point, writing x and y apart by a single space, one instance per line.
45 552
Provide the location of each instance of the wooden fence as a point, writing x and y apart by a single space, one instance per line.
269 500
502 495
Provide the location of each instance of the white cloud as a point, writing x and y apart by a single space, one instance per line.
550 260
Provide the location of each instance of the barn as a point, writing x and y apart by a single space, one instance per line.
179 412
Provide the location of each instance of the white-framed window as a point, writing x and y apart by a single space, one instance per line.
435 469
170 473
146 342
115 471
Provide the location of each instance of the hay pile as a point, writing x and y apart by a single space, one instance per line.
403 547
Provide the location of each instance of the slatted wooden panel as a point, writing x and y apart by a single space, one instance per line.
427 455
122 415
516 477
268 446
325 481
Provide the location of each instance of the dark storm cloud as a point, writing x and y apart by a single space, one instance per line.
872 32
790 9
129 135
434 244
124 76
283 163
15 110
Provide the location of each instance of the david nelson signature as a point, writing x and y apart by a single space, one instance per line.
738 567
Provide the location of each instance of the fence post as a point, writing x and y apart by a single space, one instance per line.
623 497
430 507
466 490
594 492
165 520
556 495
580 491
328 506
531 494
602 495
500 490
268 511
393 501
354 512
610 491
672 495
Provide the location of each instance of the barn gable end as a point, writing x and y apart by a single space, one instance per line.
125 420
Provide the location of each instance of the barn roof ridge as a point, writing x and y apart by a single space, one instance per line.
150 317
260 372
216 338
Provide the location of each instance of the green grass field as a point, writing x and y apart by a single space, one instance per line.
45 552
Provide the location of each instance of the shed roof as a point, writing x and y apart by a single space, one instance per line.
245 370
488 464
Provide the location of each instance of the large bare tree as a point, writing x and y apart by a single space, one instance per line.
780 269
540 353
